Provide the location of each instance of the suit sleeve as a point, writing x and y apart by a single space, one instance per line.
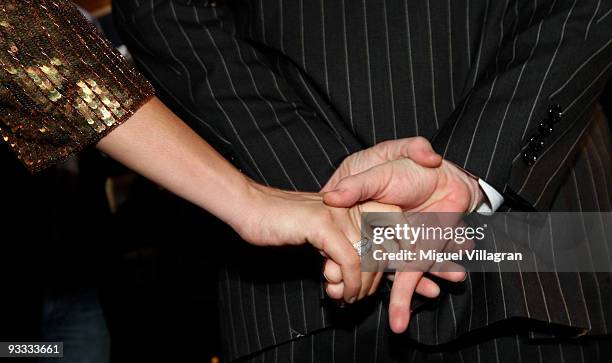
62 85
235 95
530 96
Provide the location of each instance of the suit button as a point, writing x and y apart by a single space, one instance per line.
555 114
529 158
536 143
545 128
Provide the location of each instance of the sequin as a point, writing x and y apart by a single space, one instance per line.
61 91
54 95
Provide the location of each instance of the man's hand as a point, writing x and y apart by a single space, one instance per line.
383 173
410 186
417 149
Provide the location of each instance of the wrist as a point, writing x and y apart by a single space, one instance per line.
475 193
246 202
478 196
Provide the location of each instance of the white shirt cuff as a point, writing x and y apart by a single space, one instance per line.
494 199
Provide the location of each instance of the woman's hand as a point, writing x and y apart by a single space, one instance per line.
370 280
289 218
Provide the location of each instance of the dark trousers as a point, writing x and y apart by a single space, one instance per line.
368 344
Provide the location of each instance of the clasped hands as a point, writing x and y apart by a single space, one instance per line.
392 176
404 175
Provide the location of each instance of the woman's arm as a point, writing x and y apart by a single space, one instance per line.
63 87
157 144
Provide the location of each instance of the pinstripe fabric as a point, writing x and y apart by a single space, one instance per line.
485 346
287 89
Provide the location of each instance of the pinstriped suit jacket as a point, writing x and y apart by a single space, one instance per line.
288 88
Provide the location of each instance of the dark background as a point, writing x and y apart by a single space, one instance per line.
151 259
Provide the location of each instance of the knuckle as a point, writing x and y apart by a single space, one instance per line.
420 138
420 141
384 144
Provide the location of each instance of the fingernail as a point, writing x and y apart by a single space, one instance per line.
435 290
352 299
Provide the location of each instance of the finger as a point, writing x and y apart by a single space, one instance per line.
400 300
416 148
333 181
452 246
339 249
335 291
368 280
332 272
377 279
452 276
426 287
369 285
386 183
358 187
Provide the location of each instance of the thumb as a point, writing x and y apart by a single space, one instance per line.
356 188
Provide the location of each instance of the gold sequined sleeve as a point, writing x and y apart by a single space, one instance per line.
63 87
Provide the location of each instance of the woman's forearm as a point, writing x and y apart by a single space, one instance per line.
157 144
